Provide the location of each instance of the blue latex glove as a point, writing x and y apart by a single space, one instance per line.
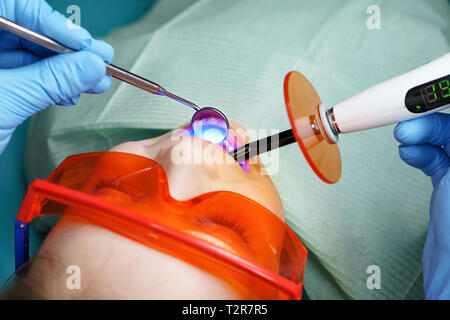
426 145
33 78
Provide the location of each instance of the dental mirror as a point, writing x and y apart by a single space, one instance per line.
210 124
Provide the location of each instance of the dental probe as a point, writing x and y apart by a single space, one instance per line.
315 127
111 69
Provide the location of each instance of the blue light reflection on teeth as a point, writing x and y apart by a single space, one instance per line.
212 129
228 144
211 133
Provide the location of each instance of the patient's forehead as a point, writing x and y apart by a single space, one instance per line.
113 266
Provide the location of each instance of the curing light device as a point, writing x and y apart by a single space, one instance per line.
315 127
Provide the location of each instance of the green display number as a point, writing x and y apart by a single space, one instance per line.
444 86
428 96
430 92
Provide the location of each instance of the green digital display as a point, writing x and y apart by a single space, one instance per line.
429 96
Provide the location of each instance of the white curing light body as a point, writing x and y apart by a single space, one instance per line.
385 104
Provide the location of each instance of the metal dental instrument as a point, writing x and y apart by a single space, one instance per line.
207 123
111 69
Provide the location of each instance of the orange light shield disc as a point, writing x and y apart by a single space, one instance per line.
302 104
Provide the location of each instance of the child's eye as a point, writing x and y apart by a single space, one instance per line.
229 223
103 183
218 219
116 185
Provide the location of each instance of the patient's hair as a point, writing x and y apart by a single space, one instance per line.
35 280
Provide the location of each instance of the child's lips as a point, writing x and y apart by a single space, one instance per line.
239 134
236 138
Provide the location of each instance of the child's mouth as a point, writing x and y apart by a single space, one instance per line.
231 142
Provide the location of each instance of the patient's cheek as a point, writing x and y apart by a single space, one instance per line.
131 147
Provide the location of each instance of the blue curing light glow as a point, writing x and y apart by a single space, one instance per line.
211 133
210 124
210 129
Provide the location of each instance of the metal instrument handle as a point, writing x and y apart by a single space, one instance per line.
55 46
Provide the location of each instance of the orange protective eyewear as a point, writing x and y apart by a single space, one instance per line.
222 232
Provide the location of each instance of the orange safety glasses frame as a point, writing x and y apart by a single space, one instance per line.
129 194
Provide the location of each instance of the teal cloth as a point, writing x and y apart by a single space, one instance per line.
234 55
99 17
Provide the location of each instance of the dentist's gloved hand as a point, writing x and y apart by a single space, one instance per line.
33 78
426 146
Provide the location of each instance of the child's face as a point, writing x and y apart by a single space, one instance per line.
115 267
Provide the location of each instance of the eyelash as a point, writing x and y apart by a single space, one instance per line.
113 184
232 224
103 183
